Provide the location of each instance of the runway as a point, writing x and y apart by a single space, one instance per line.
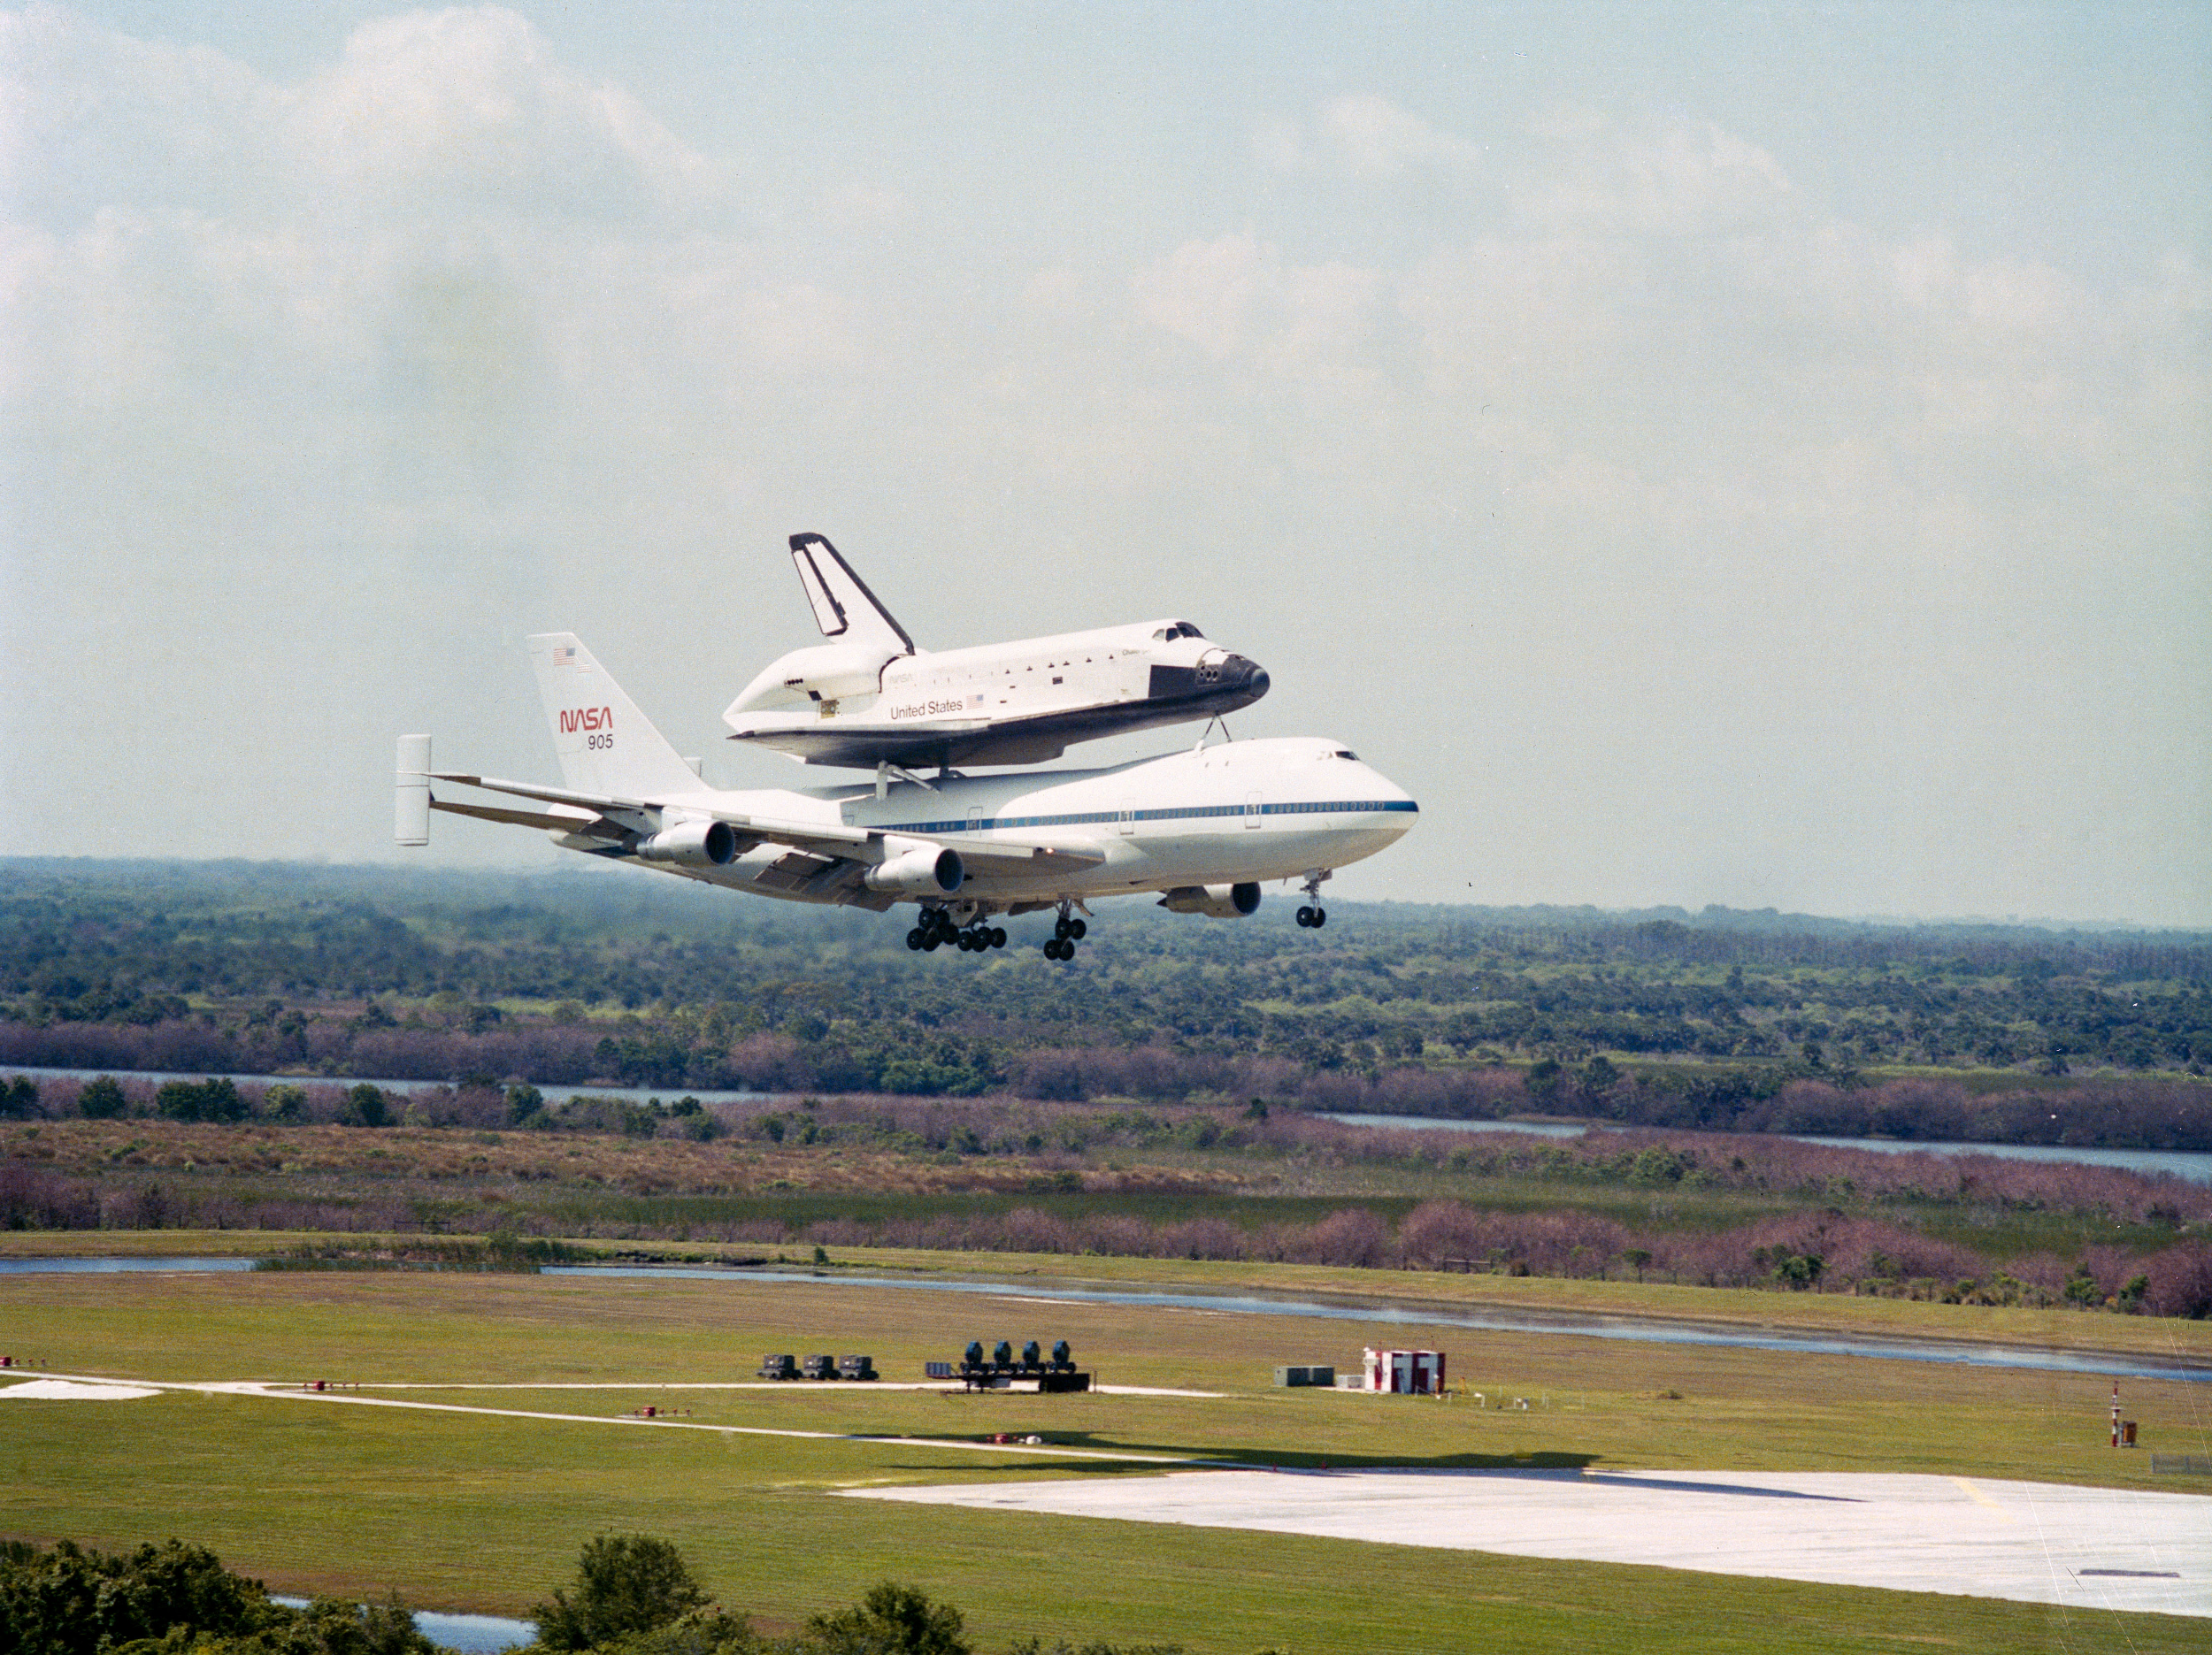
2087 1548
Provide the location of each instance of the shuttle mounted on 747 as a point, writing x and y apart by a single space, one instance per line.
1202 827
870 696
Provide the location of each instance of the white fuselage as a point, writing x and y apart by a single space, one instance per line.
1236 812
854 703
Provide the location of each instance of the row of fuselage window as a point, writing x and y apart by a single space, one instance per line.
1084 818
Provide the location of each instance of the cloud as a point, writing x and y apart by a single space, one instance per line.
1203 291
1374 138
1678 178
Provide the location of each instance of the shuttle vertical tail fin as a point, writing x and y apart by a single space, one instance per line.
605 743
844 606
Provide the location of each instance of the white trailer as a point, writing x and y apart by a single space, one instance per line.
1404 1372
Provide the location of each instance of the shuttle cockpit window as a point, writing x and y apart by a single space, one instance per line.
1179 629
1344 753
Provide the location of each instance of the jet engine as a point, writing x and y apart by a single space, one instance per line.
1215 902
925 870
692 844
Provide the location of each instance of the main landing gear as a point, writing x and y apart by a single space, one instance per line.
1313 916
937 928
1066 932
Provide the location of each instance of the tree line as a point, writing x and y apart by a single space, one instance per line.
1720 1019
631 1594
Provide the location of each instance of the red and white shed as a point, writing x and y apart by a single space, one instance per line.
1408 1373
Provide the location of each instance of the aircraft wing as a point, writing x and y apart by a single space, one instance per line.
821 838
565 821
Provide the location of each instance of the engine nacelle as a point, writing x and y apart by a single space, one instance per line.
1215 902
692 844
925 870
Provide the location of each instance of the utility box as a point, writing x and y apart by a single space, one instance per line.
779 1368
819 1367
2127 1433
857 1367
1310 1375
1402 1373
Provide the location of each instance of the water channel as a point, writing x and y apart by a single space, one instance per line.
398 1088
1579 1324
471 1635
2194 1165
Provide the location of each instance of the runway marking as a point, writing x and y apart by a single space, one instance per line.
288 1391
1980 1498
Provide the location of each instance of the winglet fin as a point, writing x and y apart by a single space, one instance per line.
411 813
844 606
605 745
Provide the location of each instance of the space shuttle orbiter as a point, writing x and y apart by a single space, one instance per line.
869 697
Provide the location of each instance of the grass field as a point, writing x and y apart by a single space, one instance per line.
483 1512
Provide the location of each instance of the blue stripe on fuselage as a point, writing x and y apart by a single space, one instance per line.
1084 818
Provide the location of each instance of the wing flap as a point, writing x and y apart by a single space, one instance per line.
552 822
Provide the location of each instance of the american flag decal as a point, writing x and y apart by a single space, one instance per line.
565 655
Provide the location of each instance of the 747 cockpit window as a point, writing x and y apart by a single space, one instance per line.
1179 629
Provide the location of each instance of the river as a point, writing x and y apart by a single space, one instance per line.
402 1088
2194 1165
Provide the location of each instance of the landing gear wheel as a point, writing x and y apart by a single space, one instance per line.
932 943
1061 928
1320 917
1076 928
998 937
1305 916
914 938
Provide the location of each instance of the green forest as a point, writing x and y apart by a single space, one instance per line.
1718 1020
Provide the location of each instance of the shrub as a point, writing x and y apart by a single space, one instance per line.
200 1100
365 1107
624 1583
891 1619
102 1099
72 1602
283 1102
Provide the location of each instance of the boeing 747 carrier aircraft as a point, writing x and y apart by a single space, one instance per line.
1203 827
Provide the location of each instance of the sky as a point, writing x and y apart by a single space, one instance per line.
1752 455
